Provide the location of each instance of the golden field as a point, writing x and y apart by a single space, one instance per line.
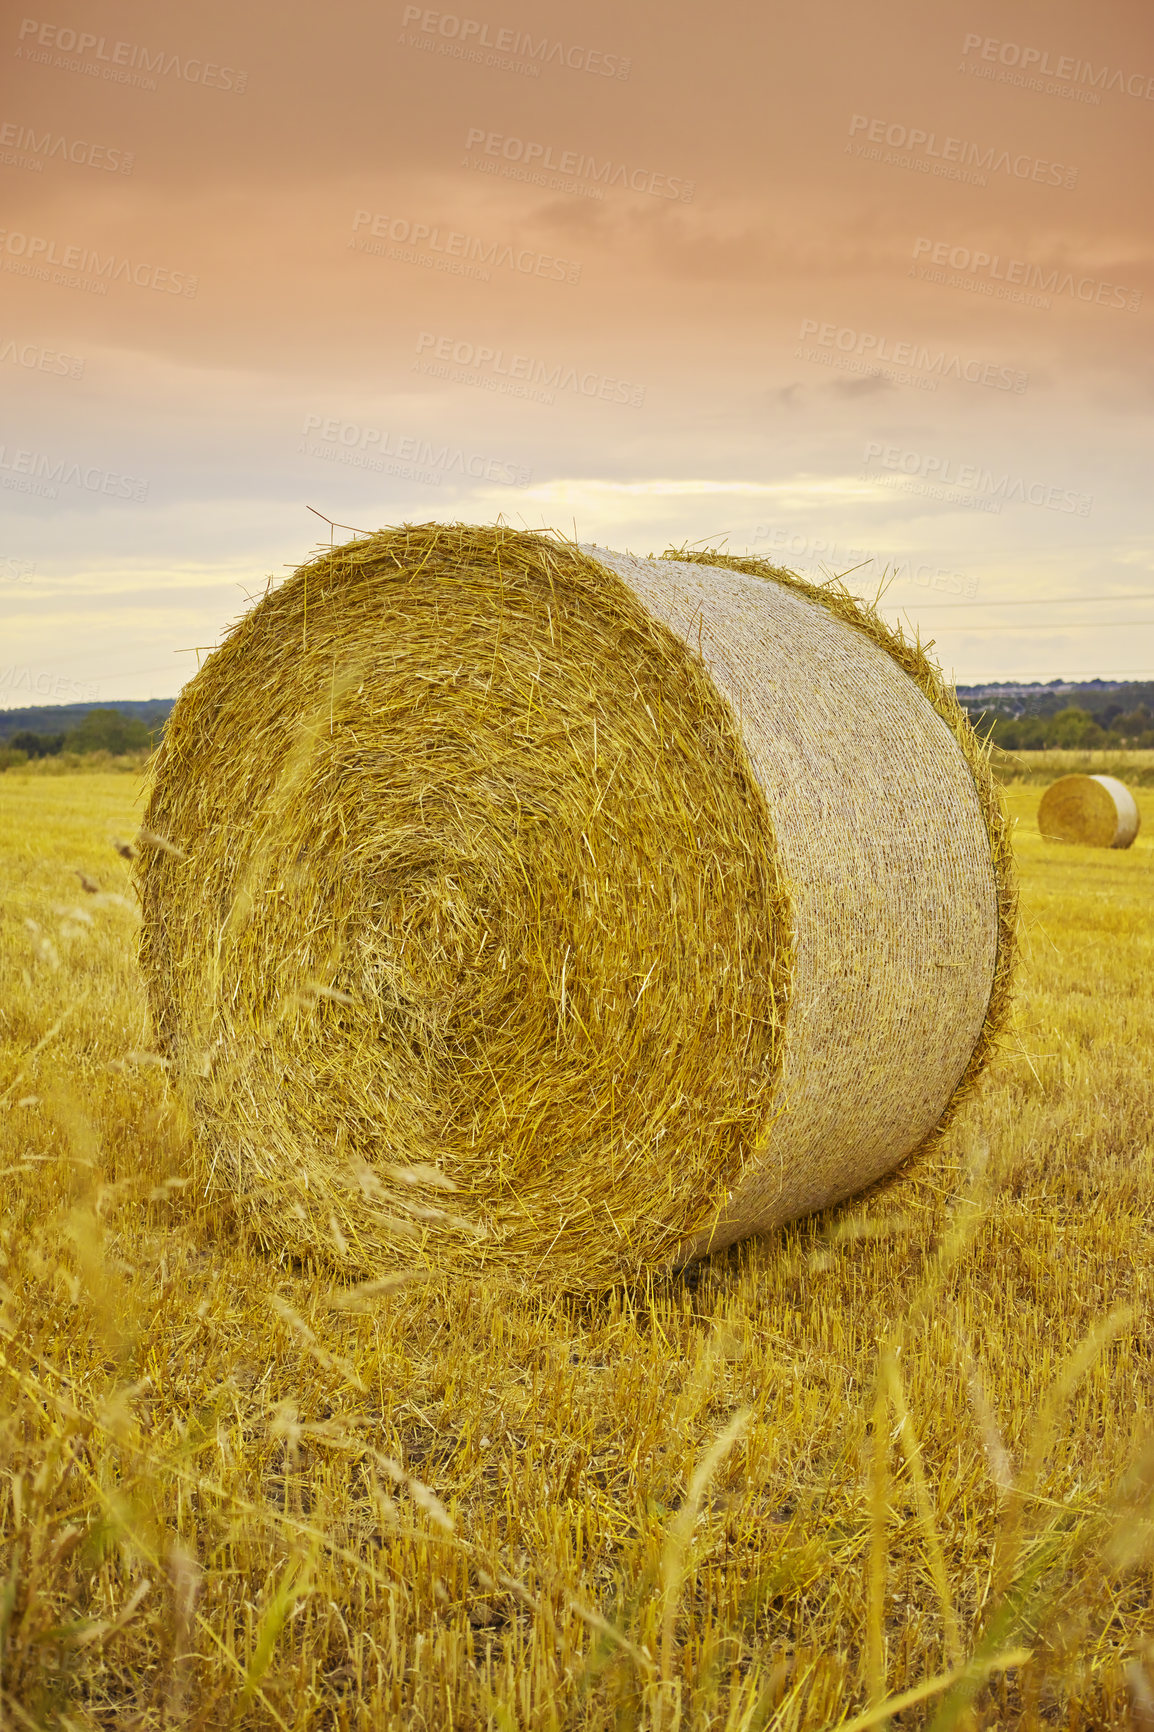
1136 768
894 1466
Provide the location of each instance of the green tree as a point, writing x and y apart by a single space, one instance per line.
108 731
1134 723
1073 729
36 745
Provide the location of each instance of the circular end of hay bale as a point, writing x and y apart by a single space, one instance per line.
476 949
1096 811
531 908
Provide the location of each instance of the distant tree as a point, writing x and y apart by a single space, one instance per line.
1071 729
108 731
1135 722
1074 729
36 745
1019 733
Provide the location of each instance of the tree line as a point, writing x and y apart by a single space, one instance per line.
99 731
1071 729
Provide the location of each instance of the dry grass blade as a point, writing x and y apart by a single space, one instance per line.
1012 1532
674 1556
975 1672
295 1583
911 1449
879 1515
146 838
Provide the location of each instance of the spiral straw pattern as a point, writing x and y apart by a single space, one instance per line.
530 908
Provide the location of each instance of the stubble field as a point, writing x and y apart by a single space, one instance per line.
894 1466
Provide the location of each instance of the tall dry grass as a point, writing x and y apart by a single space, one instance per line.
72 763
1135 768
894 1466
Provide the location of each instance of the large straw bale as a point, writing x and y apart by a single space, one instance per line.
1098 811
534 908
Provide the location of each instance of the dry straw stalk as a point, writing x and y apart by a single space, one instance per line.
530 908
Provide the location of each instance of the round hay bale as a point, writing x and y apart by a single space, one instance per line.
1098 811
528 907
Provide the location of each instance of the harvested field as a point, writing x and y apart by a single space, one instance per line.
1136 769
902 1452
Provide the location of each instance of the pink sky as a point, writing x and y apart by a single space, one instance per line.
841 286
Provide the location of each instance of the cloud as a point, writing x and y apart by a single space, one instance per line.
867 386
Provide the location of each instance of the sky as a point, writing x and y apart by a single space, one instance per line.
857 290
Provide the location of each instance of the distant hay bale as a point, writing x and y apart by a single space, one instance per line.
1098 811
536 909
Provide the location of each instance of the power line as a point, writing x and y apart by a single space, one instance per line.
1062 679
1050 601
1067 625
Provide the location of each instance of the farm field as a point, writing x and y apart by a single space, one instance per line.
895 1466
1136 768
